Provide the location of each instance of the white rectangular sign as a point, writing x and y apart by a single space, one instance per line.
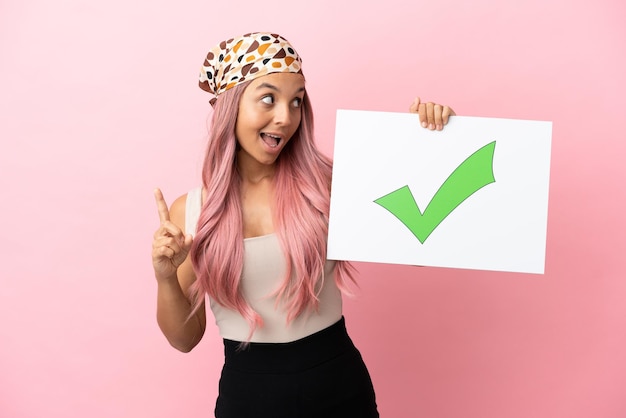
473 196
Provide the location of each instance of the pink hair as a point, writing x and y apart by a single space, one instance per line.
301 207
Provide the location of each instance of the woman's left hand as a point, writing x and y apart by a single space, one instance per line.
432 115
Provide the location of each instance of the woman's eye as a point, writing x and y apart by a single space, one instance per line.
297 102
267 99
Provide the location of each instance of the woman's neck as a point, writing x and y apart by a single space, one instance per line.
253 172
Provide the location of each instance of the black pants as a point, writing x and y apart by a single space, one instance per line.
322 376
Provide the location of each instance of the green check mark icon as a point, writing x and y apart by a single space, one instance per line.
470 176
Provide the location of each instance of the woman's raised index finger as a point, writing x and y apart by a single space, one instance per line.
164 213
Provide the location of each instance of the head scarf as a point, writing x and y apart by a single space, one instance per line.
245 58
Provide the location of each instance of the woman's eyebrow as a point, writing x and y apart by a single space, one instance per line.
273 87
267 86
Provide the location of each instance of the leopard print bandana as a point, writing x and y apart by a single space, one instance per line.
245 58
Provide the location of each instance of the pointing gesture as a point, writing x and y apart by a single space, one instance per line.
164 212
170 245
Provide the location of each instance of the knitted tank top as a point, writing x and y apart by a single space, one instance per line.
264 269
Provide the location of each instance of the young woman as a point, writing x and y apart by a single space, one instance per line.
253 238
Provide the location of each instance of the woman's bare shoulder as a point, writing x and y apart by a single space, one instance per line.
177 211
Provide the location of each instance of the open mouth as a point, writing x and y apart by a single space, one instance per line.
270 139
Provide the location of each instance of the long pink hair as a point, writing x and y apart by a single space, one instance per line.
301 206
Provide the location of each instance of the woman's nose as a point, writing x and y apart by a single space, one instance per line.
282 115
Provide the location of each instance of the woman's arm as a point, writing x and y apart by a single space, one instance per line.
174 275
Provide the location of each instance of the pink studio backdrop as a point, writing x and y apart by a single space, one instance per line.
99 105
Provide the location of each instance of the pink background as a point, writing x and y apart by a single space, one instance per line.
99 105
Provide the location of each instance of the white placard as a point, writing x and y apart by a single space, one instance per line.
473 196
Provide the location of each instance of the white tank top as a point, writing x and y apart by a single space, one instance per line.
264 267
